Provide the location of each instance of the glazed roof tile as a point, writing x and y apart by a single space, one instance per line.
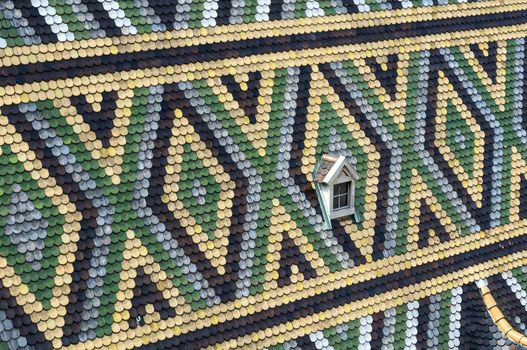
157 188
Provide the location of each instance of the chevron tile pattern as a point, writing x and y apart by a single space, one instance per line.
156 162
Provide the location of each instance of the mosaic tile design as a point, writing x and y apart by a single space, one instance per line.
156 162
28 22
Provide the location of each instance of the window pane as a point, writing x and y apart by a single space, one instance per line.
344 201
342 188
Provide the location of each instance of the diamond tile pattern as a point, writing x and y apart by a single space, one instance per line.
156 174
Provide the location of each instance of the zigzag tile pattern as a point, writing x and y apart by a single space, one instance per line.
28 22
156 161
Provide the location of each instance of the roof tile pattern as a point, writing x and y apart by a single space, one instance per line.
156 162
27 22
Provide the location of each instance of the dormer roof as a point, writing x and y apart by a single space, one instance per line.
332 166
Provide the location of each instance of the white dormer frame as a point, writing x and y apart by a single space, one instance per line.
341 171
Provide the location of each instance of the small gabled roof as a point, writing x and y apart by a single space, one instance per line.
330 168
326 163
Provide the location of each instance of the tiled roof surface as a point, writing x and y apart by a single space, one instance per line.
324 166
27 22
156 161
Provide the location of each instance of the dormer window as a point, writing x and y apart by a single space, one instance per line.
335 180
341 196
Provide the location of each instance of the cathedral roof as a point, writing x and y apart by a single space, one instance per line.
159 162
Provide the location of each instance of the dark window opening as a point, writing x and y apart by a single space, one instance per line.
341 195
